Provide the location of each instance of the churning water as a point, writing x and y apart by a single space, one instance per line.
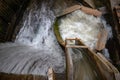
83 68
83 26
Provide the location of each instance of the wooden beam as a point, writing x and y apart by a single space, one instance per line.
82 8
90 2
51 74
102 38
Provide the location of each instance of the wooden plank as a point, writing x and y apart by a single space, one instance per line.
106 69
69 10
117 9
102 38
82 8
69 63
114 4
51 75
90 11
76 46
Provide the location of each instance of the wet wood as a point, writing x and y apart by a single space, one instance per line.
102 38
87 10
75 46
117 9
115 50
106 69
90 11
114 4
51 74
6 76
69 63
9 10
69 10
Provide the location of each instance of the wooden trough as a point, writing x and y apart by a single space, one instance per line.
106 70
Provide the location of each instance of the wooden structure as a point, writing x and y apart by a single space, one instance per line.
87 10
115 41
9 76
102 39
105 68
10 13
115 10
51 74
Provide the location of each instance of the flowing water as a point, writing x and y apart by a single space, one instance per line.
36 49
83 26
83 68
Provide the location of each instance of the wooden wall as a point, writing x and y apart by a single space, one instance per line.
10 12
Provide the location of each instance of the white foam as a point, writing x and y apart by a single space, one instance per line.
81 25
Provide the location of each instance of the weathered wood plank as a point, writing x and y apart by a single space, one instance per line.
117 9
69 10
102 38
69 63
82 8
51 74
91 11
9 76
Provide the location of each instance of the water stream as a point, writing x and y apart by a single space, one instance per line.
35 48
84 68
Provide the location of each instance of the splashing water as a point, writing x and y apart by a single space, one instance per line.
35 48
83 26
83 69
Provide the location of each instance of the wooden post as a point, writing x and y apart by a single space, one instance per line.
51 75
